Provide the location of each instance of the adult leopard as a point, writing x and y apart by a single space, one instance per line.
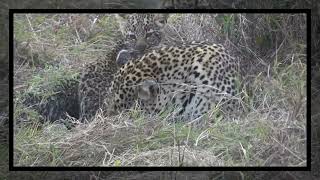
193 78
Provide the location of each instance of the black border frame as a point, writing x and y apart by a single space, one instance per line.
138 168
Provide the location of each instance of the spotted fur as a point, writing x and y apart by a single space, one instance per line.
192 78
140 32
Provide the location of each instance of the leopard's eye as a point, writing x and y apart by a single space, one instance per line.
131 36
162 21
148 34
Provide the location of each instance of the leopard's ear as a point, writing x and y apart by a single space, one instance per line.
123 57
161 19
148 90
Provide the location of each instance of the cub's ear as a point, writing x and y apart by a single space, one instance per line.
161 19
148 90
123 57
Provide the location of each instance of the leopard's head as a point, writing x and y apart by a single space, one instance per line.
141 32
